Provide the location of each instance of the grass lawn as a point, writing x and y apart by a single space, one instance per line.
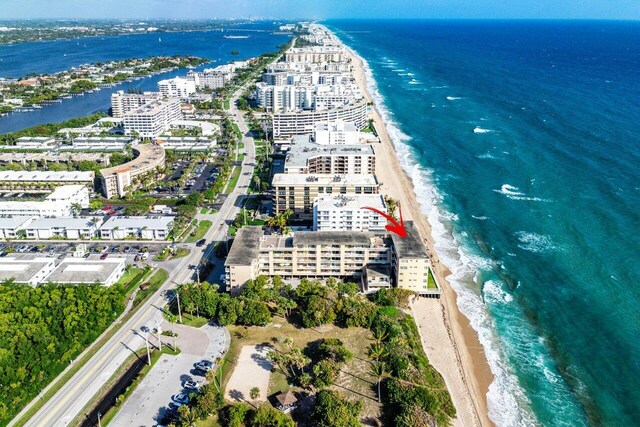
154 284
236 130
431 282
181 252
200 231
233 179
132 277
354 381
204 211
227 105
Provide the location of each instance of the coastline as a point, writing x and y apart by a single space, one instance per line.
446 333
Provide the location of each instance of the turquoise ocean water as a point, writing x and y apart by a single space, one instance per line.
523 141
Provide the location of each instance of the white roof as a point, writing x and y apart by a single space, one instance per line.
150 222
46 176
15 221
78 223
351 201
284 179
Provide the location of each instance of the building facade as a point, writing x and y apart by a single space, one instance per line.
63 201
306 157
297 192
118 180
288 124
122 102
177 87
152 119
140 227
337 212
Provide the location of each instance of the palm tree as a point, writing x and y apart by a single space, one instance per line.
379 370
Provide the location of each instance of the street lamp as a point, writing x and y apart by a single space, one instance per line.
146 340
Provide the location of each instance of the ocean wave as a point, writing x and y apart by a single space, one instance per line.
508 404
478 129
453 98
536 243
494 292
514 193
480 218
486 156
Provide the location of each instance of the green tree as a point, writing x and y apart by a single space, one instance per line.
333 410
254 393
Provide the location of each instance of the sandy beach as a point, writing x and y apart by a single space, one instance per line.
446 334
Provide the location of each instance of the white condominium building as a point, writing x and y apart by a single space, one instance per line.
117 180
316 54
303 255
63 227
143 227
335 133
305 97
287 124
122 102
377 260
34 143
177 87
63 201
306 157
337 212
298 191
38 180
152 119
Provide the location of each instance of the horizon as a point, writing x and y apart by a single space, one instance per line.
623 10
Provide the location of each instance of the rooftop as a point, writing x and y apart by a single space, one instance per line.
246 246
85 270
151 108
22 267
283 179
46 176
411 246
302 149
351 201
150 222
146 153
332 238
15 221
79 223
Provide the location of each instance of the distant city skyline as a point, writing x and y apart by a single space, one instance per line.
326 9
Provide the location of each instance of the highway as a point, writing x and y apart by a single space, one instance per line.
71 398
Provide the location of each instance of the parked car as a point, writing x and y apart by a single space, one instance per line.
104 256
181 398
191 385
127 249
201 242
204 365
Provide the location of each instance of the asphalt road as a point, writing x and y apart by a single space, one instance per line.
70 399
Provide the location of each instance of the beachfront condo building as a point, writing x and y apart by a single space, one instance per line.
297 192
336 133
288 124
338 212
305 97
118 180
177 87
316 54
376 260
122 102
152 119
307 157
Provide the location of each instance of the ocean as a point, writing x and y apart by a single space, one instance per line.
522 141
18 60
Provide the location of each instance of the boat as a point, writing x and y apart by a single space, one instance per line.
236 37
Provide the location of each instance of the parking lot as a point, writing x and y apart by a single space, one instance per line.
200 178
153 401
61 250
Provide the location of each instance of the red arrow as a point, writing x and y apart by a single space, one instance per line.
394 227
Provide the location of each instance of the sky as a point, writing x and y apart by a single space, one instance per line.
318 9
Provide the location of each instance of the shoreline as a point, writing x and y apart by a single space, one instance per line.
439 321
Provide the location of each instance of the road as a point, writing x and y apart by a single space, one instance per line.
71 398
